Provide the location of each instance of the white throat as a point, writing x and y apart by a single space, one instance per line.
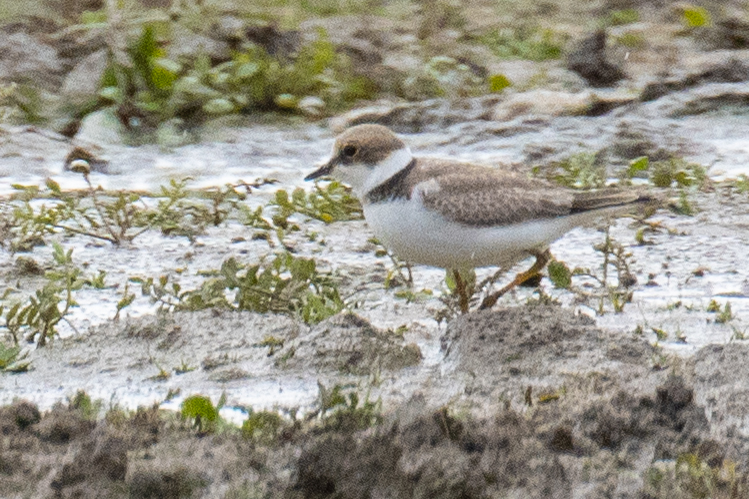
384 170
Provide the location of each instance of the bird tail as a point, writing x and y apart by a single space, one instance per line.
589 201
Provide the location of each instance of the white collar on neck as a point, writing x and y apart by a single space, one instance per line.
391 165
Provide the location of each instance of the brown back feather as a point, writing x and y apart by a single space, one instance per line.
481 196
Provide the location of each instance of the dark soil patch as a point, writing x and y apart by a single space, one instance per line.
576 414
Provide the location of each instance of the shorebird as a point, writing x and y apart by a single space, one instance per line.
456 215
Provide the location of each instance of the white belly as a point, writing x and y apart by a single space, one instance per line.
418 235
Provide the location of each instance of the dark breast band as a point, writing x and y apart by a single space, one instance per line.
395 187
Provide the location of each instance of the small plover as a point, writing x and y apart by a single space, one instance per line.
456 215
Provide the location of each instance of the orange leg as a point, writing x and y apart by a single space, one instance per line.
541 260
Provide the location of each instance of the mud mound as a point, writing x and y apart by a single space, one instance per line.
544 347
348 343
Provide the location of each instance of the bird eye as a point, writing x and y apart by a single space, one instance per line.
349 151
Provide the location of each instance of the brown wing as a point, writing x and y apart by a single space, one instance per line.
481 196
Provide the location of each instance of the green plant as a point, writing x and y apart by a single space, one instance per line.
582 170
742 184
183 368
284 284
660 334
722 315
678 172
117 220
27 226
124 302
525 42
88 408
330 202
177 214
24 103
341 411
117 217
148 85
622 17
738 334
498 82
692 476
630 40
695 17
12 360
617 294
49 305
559 274
200 410
262 426
638 167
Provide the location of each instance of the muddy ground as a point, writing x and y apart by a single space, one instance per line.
541 397
529 401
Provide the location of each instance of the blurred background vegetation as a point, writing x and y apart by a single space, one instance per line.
157 68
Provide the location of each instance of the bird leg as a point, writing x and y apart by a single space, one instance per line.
542 259
462 291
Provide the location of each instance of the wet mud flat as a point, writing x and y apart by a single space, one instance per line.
527 401
531 400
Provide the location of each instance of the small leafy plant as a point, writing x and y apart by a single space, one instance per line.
202 413
284 284
342 411
329 203
525 42
583 170
39 316
12 359
262 426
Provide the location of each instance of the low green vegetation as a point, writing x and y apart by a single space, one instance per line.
262 426
742 184
342 410
86 407
331 203
36 317
622 17
13 359
338 408
201 413
34 214
524 42
694 477
282 284
582 170
156 88
694 16
277 282
612 282
169 71
723 314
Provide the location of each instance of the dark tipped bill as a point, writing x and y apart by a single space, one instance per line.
322 171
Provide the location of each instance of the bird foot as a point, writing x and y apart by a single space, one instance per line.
541 260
